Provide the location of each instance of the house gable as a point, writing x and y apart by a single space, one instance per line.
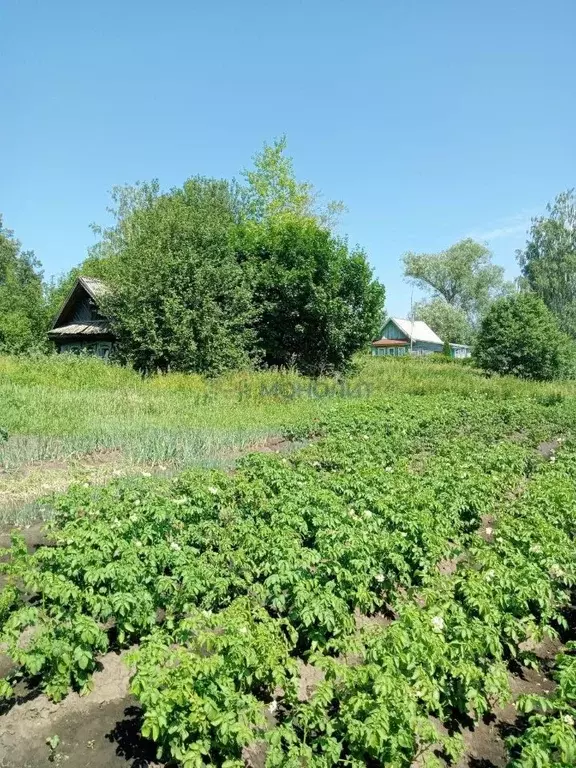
81 306
80 324
392 331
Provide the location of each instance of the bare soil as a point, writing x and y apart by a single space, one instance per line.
97 730
549 447
310 679
33 535
484 741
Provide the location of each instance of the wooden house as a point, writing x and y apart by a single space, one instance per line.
403 337
80 325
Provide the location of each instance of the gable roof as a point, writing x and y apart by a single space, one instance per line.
83 285
96 288
416 330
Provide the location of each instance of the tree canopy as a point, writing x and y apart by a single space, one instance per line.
216 275
22 305
463 277
548 261
316 301
179 299
272 190
449 322
520 336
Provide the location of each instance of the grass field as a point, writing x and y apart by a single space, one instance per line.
80 420
396 590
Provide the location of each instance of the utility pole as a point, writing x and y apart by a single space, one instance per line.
412 319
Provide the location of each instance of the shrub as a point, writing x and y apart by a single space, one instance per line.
179 300
520 336
316 300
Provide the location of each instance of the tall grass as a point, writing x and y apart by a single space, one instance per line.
60 405
75 419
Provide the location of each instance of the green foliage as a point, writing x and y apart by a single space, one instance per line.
446 320
179 299
316 301
60 649
272 190
549 741
202 683
53 743
226 581
461 277
549 260
212 276
22 308
520 336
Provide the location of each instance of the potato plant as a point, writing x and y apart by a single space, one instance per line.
225 581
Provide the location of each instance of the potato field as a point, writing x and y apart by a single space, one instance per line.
366 599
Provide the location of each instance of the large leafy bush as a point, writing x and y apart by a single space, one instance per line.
316 301
520 336
179 299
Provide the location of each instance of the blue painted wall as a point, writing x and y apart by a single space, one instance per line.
391 331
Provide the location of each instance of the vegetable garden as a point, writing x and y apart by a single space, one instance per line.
409 554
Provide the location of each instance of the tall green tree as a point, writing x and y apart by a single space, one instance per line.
179 299
548 261
316 301
272 190
449 322
216 275
22 305
463 276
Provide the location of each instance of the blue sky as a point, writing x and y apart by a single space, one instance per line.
432 120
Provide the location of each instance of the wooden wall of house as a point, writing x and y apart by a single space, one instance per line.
391 331
85 311
97 348
426 347
418 348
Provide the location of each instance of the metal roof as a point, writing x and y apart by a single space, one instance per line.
416 330
94 328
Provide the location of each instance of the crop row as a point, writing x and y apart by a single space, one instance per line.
226 581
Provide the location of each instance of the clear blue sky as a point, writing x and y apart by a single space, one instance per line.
431 119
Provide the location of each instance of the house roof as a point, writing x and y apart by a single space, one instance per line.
389 343
416 330
93 328
90 285
96 288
